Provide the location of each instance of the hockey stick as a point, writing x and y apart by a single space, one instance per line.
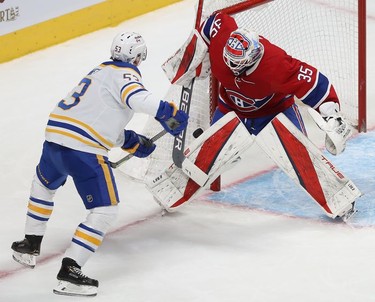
178 155
179 141
118 163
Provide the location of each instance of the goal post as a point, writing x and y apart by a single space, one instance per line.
328 34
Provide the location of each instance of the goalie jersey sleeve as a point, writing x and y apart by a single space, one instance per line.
268 87
92 117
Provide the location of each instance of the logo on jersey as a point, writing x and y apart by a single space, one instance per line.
237 45
246 104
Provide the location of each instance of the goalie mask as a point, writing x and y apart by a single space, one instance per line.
242 50
129 47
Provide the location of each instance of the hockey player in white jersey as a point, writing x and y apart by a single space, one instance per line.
80 131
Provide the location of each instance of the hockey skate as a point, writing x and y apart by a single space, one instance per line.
72 282
26 250
348 214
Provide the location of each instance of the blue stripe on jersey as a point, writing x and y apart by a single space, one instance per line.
81 225
74 129
83 245
131 94
47 203
206 30
133 90
37 217
320 90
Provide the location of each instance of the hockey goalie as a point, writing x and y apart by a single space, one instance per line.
259 83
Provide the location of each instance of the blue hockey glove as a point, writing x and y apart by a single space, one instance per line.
173 120
137 144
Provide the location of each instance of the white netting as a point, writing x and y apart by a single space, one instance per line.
323 33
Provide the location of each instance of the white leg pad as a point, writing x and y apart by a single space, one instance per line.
306 165
215 151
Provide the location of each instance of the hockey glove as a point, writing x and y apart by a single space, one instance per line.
173 120
137 144
336 128
337 133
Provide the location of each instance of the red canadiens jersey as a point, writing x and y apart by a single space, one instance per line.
268 87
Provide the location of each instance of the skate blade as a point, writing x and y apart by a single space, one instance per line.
349 215
25 259
69 289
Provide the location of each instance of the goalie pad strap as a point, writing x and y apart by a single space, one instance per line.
300 160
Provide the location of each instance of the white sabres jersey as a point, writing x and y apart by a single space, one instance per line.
92 117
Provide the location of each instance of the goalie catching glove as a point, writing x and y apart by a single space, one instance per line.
137 144
337 133
173 120
336 128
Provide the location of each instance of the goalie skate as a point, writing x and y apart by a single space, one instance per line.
348 214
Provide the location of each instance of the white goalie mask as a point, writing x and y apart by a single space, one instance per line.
129 47
242 50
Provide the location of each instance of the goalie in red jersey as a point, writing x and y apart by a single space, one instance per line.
260 83
258 80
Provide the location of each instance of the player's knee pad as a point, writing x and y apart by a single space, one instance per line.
39 209
102 218
39 191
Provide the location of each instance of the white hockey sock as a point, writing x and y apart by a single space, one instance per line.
39 209
89 234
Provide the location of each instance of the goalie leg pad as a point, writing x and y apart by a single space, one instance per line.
215 151
167 187
305 164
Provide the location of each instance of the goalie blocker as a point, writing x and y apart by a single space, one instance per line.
292 151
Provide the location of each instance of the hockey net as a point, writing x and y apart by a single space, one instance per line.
327 34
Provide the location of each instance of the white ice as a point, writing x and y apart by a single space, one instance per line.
208 251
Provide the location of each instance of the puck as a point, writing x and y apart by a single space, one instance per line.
197 132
